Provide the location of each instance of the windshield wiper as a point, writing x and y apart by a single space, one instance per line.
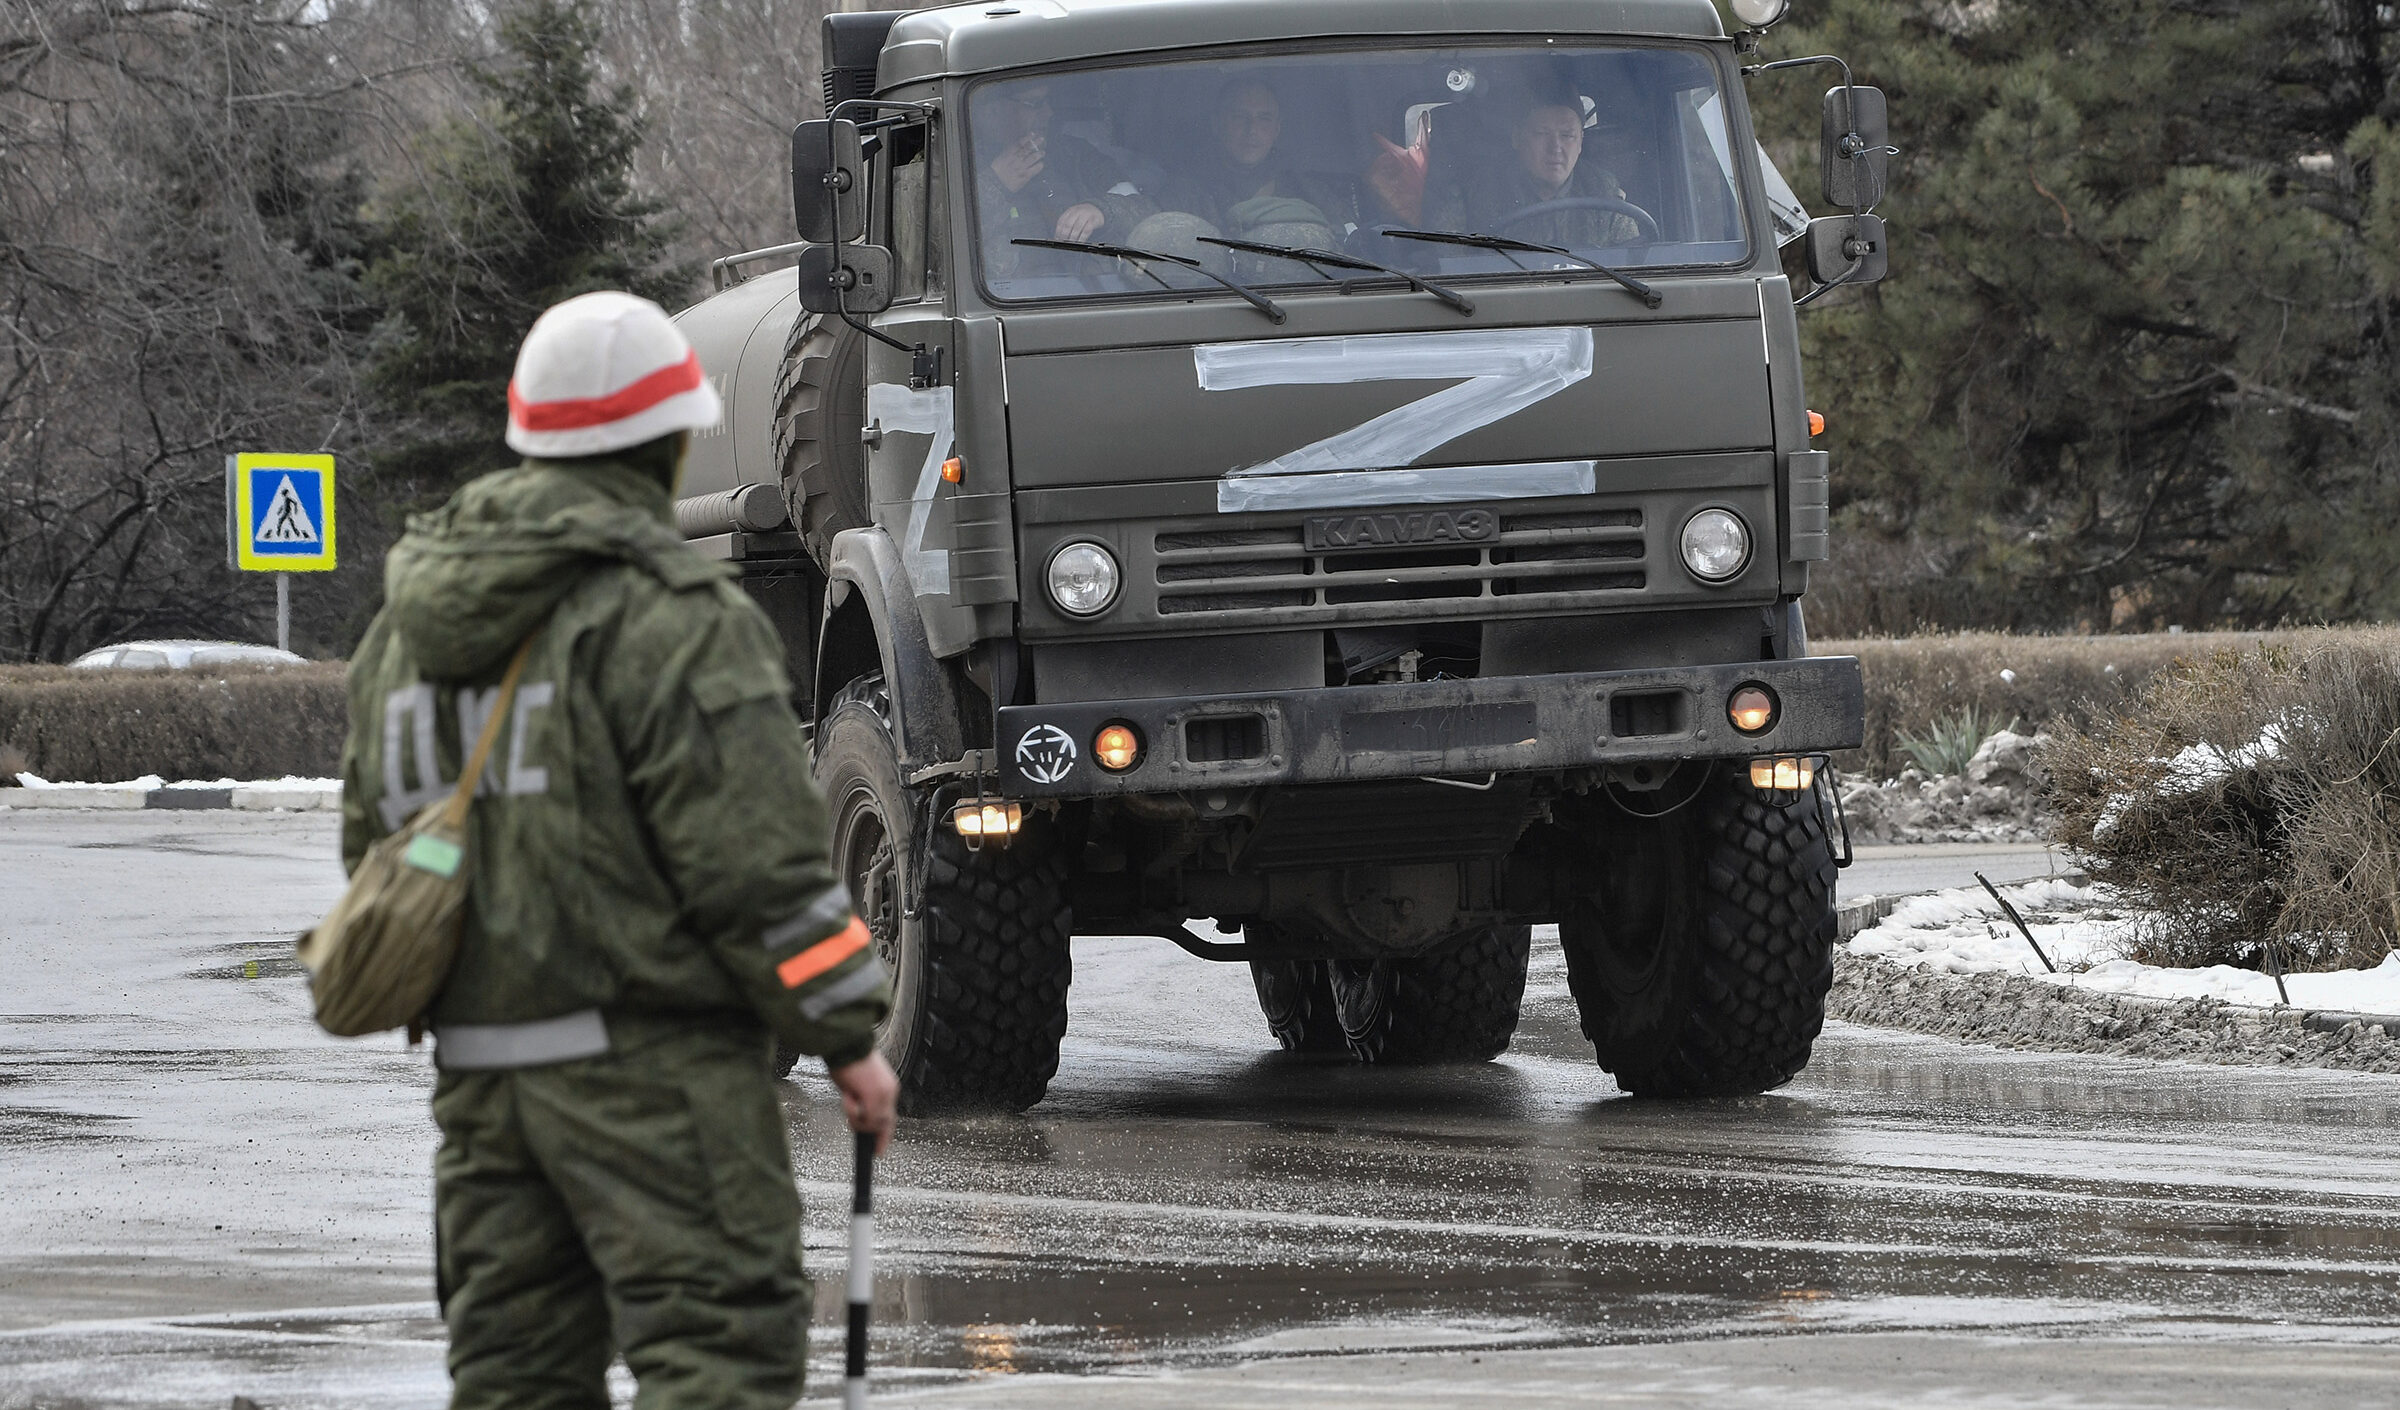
1257 300
1649 296
1315 258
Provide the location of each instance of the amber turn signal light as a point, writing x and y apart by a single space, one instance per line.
955 469
1786 775
1752 709
1117 747
987 820
1816 423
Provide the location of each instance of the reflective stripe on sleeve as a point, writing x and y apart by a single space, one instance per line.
486 1047
848 989
814 918
824 955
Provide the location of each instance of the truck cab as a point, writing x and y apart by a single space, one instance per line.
1339 473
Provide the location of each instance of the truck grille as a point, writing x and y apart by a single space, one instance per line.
1535 558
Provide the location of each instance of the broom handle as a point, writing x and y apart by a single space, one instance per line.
862 1272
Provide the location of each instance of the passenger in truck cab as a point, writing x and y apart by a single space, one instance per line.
1544 164
1046 185
1237 183
1241 182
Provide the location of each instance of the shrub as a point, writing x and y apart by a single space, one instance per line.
234 722
1949 743
2044 681
2250 800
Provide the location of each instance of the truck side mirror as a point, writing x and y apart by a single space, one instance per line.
1853 157
845 278
1836 243
829 193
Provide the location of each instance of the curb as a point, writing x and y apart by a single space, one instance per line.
1869 913
178 797
1866 914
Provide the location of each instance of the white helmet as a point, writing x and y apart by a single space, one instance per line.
603 372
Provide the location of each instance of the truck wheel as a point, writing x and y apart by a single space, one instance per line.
1297 998
820 408
1455 1004
979 976
1701 963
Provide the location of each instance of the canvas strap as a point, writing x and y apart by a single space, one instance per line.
454 812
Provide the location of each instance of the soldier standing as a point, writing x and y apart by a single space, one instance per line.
651 904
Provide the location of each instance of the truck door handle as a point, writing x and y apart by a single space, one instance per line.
872 435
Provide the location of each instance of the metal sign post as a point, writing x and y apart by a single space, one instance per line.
279 518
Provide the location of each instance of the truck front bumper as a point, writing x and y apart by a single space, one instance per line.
1456 729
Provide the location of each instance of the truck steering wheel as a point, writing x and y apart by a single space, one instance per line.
1645 224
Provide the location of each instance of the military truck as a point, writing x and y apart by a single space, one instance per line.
1338 472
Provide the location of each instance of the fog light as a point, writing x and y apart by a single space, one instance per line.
987 820
1752 709
1118 747
1716 545
1785 775
1083 579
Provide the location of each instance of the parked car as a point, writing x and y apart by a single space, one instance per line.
182 655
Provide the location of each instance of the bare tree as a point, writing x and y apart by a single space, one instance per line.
178 241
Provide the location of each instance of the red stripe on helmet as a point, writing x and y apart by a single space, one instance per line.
575 413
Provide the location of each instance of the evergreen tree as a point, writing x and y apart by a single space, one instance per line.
529 202
2134 365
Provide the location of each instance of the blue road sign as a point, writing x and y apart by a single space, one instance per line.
282 513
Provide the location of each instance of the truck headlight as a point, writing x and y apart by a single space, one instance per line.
1716 545
1083 579
1758 14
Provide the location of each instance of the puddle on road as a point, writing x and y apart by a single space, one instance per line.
250 959
1258 1208
22 1126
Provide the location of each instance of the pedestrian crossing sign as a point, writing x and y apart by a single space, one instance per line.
281 512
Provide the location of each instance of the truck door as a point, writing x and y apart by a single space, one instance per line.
911 423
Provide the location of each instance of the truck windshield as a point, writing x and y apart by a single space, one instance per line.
1620 154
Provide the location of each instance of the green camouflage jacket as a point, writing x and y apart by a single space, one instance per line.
647 839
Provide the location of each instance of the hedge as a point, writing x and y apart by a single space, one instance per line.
243 722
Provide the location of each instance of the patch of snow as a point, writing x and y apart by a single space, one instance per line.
287 784
2194 768
37 781
2087 931
2200 765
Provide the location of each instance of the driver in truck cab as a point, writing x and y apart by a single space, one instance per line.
1545 165
1047 185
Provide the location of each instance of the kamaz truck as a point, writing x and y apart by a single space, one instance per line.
1335 472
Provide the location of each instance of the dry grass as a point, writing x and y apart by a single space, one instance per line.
232 722
2250 800
1914 684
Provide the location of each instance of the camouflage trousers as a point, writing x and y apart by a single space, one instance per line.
639 1203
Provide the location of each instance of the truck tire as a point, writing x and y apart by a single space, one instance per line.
1457 1003
820 410
979 976
1297 998
1700 966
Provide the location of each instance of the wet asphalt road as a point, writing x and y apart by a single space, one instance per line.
199 1196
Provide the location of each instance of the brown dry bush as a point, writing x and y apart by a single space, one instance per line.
231 722
1912 683
2250 802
